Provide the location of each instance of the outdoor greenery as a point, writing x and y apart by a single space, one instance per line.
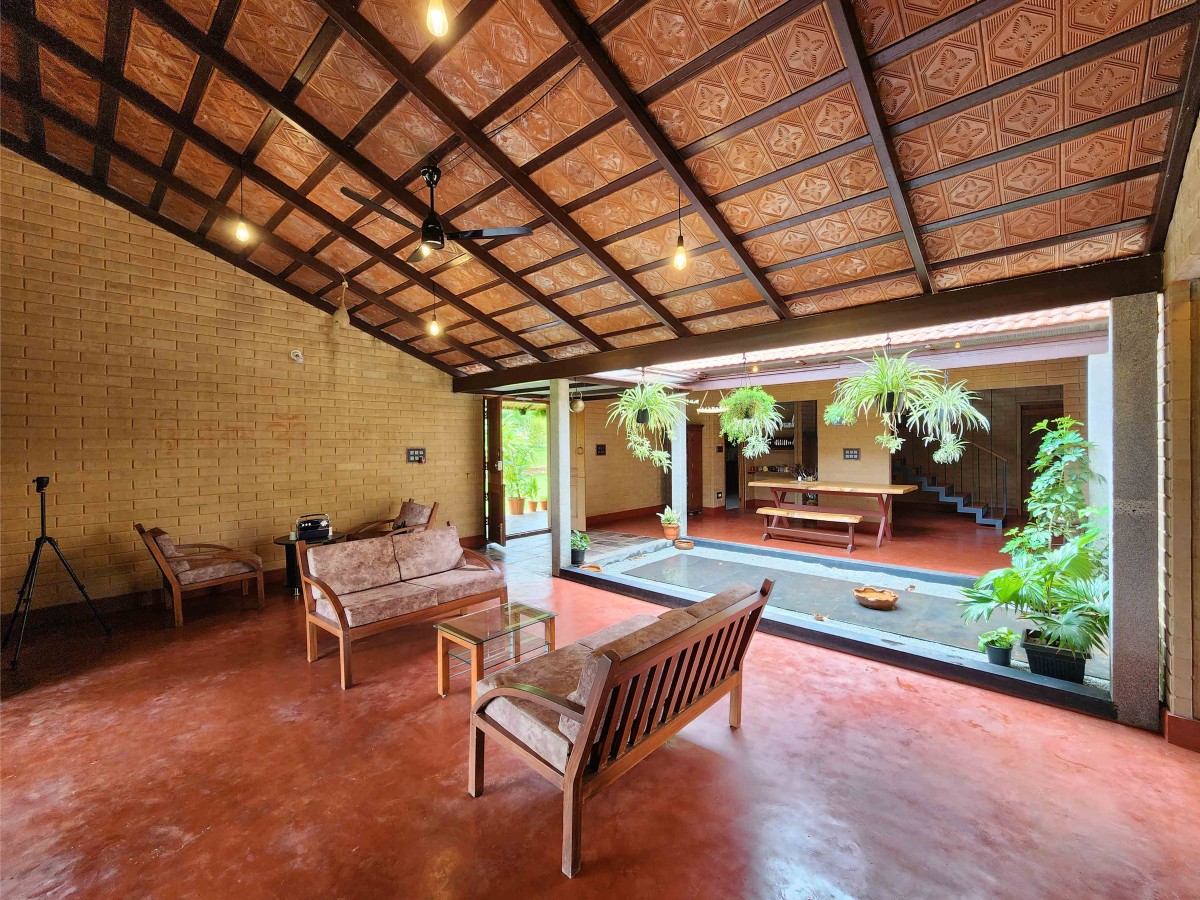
750 419
1005 638
668 516
648 413
1058 579
899 391
523 430
580 541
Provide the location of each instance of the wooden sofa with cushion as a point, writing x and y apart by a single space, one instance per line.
412 518
358 588
193 567
584 715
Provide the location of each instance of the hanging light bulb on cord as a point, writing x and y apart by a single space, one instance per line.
434 328
341 315
680 259
436 20
241 231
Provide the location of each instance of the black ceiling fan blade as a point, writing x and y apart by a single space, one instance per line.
482 234
379 208
421 252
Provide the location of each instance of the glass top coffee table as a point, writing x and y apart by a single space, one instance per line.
490 640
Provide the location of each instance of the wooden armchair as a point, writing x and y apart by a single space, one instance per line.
412 519
631 695
190 567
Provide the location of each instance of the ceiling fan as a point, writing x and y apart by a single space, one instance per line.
433 233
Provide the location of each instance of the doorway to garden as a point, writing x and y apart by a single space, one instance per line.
517 496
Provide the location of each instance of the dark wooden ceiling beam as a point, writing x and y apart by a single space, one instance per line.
31 72
845 27
1183 125
116 40
90 183
1049 290
474 136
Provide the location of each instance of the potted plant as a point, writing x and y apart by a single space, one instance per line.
543 500
648 413
750 419
579 545
998 645
670 523
1057 502
899 391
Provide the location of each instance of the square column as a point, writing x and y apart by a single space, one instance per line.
679 474
558 460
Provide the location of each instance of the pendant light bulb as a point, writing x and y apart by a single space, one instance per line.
680 259
434 328
242 232
436 20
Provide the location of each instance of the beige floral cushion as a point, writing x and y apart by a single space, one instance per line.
201 571
427 552
175 559
377 604
461 582
412 513
355 565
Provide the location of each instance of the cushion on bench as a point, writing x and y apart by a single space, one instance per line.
427 552
379 603
354 565
667 625
615 632
217 568
461 582
722 601
412 513
536 726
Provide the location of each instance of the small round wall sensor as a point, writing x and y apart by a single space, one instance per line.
297 356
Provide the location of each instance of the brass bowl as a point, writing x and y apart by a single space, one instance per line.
591 568
876 598
684 544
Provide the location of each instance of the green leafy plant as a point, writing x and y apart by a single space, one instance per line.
648 413
1062 591
668 516
899 391
517 457
750 419
580 541
1005 638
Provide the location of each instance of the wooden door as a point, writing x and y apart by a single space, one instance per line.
494 470
1031 414
695 469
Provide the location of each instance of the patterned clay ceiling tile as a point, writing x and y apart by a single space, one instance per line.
1165 67
977 237
788 138
1032 224
67 87
343 255
379 277
619 321
473 333
10 59
1098 207
1032 261
291 154
879 23
834 118
897 86
967 135
1105 86
414 298
834 231
971 192
271 36
765 250
300 230
949 68
896 288
571 351
201 169
1139 197
1029 175
1088 250
402 330
529 317
1150 138
746 157
918 14
807 49
711 171
555 334
198 12
405 136
1132 241
756 77
328 192
939 246
928 204
537 24
180 209
158 62
915 153
454 358
270 259
464 277
229 112
726 321
68 147
82 21
383 230
677 122
308 280
1096 155
402 22
130 182
1029 113
344 86
874 219
1022 36
947 279
640 338
857 173
257 203
797 241
519 254
1088 21
812 189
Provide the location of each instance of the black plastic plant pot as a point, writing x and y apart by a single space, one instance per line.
577 557
889 402
1053 662
999 656
643 417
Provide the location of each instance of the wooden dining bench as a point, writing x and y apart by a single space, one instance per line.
773 528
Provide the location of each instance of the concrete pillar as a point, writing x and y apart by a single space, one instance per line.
558 459
1136 643
679 474
1099 426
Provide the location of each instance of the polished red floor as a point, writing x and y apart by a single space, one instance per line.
213 761
923 540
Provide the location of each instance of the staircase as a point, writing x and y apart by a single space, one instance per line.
981 477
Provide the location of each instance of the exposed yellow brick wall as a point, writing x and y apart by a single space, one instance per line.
616 481
1182 251
152 382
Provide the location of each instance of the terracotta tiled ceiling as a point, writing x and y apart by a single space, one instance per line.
973 142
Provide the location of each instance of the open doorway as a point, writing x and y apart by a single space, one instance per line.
519 497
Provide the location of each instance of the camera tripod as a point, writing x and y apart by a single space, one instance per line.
25 594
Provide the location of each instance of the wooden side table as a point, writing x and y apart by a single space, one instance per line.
293 563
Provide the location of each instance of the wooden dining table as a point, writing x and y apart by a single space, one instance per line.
881 493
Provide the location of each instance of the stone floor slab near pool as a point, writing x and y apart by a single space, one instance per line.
928 608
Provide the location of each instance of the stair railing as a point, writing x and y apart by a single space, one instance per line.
979 478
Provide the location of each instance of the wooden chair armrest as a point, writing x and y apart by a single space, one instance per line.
409 529
236 555
370 526
481 559
202 547
314 582
532 694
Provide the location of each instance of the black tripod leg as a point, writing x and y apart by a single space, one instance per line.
34 562
24 594
79 584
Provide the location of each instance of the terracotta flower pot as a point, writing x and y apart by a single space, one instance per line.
670 532
543 504
531 505
515 505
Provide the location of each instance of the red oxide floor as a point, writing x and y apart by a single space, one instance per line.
922 540
214 761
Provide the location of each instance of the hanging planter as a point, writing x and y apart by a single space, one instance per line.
648 413
750 419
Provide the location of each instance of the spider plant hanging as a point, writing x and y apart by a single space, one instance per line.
750 419
648 413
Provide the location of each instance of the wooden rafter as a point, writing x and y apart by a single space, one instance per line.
1182 127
